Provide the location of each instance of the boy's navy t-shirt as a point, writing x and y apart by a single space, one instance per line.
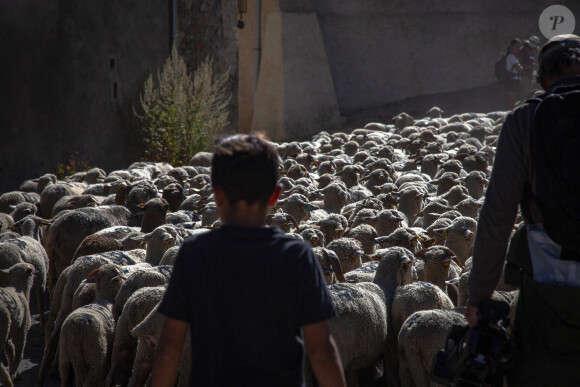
246 292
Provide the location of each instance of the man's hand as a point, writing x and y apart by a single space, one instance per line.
471 313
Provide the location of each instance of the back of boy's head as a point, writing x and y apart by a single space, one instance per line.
245 167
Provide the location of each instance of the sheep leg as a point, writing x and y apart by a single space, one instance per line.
55 302
142 365
94 372
404 371
48 357
351 377
140 374
4 377
18 340
9 352
4 345
120 359
40 304
65 369
51 347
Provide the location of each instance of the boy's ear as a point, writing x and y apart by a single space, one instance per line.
219 195
275 195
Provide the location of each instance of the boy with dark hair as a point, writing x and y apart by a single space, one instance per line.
245 290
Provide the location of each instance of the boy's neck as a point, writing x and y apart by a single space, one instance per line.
243 214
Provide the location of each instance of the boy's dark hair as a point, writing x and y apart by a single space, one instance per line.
246 168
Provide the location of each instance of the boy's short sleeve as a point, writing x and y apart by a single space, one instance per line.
176 301
316 304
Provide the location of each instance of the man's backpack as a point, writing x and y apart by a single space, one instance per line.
555 153
501 73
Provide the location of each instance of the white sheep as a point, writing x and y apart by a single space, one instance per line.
421 336
365 273
137 307
88 332
366 306
412 298
14 317
360 329
349 252
143 277
34 254
65 289
148 332
68 231
169 256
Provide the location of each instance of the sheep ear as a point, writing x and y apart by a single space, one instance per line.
457 262
120 275
93 273
421 253
73 199
429 242
440 231
294 222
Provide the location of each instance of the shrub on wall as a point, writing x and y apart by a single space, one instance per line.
181 116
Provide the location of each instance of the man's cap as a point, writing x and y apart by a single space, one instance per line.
534 42
558 44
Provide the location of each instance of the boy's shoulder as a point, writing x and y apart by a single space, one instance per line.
245 236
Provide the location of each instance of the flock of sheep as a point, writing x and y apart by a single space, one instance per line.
390 211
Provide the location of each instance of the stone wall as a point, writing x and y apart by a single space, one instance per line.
209 28
377 53
384 51
72 70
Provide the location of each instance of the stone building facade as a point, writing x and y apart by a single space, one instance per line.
72 70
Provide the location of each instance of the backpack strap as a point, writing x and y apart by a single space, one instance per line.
528 194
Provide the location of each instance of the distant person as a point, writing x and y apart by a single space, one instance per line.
251 295
527 59
514 69
535 44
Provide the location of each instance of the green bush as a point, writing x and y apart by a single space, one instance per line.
180 115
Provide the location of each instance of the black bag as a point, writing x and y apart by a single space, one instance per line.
555 153
501 73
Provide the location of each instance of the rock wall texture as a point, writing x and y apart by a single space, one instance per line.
72 70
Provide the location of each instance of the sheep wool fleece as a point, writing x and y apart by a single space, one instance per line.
547 326
246 291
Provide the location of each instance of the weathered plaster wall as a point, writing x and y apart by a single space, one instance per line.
383 51
72 70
